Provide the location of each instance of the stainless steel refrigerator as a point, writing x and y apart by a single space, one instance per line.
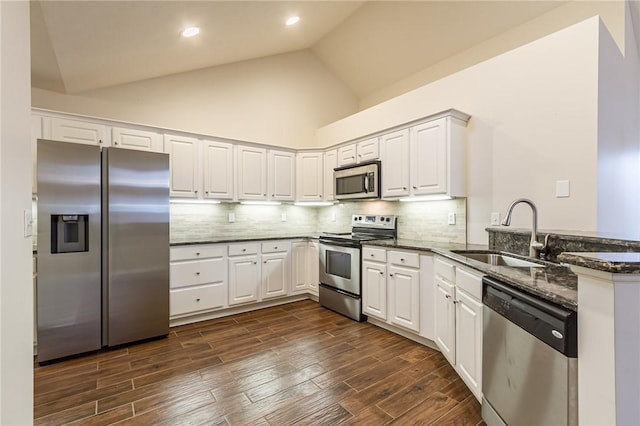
103 247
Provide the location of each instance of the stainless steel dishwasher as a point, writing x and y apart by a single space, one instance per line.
529 359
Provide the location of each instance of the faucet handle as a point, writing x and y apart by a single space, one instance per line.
542 247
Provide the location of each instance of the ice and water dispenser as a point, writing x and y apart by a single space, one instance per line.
69 233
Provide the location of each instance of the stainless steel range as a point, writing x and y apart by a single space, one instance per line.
340 283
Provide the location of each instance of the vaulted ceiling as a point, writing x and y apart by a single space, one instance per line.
84 45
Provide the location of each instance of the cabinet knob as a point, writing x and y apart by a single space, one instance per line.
415 187
401 260
359 155
264 195
195 192
447 296
390 275
99 140
275 248
273 195
198 299
206 192
197 273
115 142
455 302
265 262
255 263
381 273
197 253
319 196
372 255
404 188
244 249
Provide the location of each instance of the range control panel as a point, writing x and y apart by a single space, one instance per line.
373 221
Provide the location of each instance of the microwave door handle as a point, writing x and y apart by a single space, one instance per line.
365 180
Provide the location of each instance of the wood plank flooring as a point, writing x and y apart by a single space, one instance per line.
292 364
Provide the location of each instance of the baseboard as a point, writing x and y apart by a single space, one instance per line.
404 333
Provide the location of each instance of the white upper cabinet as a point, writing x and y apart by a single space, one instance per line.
218 170
347 155
426 159
252 173
429 158
394 149
78 131
142 140
184 167
309 172
281 175
368 150
330 162
359 152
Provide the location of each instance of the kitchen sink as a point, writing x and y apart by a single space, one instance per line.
499 259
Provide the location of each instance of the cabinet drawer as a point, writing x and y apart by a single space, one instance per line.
187 300
469 282
404 258
445 269
275 246
374 254
184 274
196 252
241 249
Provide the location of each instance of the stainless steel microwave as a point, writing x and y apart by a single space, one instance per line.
360 181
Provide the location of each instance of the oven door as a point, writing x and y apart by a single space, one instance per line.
340 266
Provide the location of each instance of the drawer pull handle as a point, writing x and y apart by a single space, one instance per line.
372 255
275 248
244 249
401 259
197 273
198 253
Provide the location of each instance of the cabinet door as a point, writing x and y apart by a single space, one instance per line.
330 163
218 170
313 266
281 175
252 173
429 158
445 320
36 133
78 132
469 341
309 176
394 149
184 170
275 276
136 139
368 150
299 267
374 289
347 155
404 297
243 279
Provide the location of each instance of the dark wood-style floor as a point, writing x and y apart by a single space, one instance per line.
297 363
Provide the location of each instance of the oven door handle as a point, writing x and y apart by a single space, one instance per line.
338 244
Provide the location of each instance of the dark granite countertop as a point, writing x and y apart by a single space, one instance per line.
614 262
553 282
178 242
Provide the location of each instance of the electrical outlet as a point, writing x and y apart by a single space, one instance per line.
232 217
451 218
495 219
283 217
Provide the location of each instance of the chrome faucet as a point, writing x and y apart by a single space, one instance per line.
535 247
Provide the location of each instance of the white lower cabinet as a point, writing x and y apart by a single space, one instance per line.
244 273
275 269
391 287
198 279
458 320
305 264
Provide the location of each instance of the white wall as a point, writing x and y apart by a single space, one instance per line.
278 100
16 294
533 121
612 12
619 136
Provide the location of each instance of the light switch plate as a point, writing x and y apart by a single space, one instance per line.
451 219
562 189
232 217
495 218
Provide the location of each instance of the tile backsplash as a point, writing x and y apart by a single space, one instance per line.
417 220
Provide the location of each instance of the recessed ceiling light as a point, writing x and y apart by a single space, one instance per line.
190 32
292 20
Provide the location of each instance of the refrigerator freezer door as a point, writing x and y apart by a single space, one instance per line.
68 294
135 245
